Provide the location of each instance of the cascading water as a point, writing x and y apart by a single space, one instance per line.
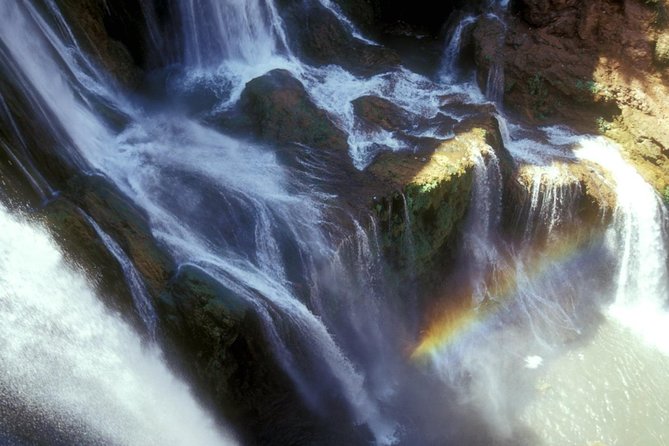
214 32
232 209
453 47
140 295
69 364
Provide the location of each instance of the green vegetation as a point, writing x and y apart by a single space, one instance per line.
660 9
589 85
665 195
539 94
603 125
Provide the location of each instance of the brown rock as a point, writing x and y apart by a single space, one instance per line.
281 110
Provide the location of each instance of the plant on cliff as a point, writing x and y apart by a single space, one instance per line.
665 195
539 96
660 8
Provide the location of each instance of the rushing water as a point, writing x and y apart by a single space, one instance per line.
562 338
74 367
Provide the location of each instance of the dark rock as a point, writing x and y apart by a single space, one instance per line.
115 33
281 110
222 344
322 40
84 249
420 16
127 224
376 111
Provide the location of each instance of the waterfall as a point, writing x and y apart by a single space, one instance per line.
495 83
254 187
637 234
140 295
68 362
517 300
350 27
452 52
214 32
483 221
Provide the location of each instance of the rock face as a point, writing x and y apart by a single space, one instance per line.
429 194
220 338
115 33
423 16
119 217
592 65
280 110
322 39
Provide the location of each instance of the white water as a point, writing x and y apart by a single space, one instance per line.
155 159
138 160
637 235
67 359
216 31
140 295
452 51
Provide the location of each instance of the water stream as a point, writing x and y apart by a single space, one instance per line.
562 337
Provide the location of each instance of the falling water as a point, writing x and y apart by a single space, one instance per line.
452 51
140 296
232 209
244 31
495 83
256 188
637 234
68 361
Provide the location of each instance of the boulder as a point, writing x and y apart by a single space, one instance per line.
280 110
378 112
322 39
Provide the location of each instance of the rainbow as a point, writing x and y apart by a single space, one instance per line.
454 315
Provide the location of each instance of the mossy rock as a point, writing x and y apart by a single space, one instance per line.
281 111
208 317
127 224
431 190
221 342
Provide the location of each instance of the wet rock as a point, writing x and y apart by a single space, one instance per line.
280 110
376 111
115 34
222 344
488 36
322 39
127 224
428 196
207 318
417 17
586 195
85 250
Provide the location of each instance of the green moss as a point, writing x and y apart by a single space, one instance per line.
539 96
665 195
435 210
